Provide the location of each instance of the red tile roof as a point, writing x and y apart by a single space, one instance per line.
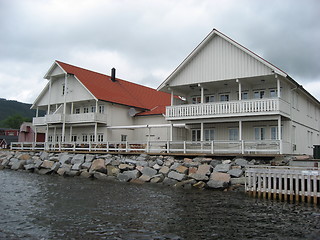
121 91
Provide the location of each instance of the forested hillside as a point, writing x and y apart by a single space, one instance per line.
13 109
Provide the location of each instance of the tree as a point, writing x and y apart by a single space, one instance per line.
15 121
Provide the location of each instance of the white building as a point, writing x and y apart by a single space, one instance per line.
86 106
240 101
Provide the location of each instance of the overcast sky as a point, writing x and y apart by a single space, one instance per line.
145 40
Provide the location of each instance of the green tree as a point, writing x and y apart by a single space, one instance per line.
14 121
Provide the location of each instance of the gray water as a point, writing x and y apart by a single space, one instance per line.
51 207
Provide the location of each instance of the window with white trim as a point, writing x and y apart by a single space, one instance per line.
73 138
259 94
195 135
244 95
209 98
77 110
209 134
101 108
123 138
93 109
196 99
259 133
224 97
100 137
84 138
273 93
85 110
92 138
233 134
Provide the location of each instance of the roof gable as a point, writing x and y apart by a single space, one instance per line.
218 57
119 91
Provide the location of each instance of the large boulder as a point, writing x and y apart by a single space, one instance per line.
241 162
18 165
65 158
219 180
98 166
78 158
204 169
235 172
177 176
149 171
222 168
47 164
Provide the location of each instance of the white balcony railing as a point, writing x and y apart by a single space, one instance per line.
70 118
232 108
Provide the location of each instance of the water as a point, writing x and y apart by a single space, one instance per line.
51 207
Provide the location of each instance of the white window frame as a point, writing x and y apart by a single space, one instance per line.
233 134
259 94
101 108
124 138
74 138
195 135
224 97
100 137
77 111
273 93
209 134
244 95
85 110
196 99
209 98
259 133
84 138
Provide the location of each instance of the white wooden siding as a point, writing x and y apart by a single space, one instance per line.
219 60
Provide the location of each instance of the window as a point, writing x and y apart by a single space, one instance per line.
259 133
196 100
195 135
244 95
77 110
63 89
93 109
92 138
85 110
84 138
209 134
49 138
259 94
123 138
273 93
233 134
224 97
73 138
101 109
274 133
57 138
209 98
100 137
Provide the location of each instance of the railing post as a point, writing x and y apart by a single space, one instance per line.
242 146
107 146
211 147
147 147
127 146
168 146
184 147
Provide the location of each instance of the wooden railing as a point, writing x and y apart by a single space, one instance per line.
70 118
284 183
243 107
209 147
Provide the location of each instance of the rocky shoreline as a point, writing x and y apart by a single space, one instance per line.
198 172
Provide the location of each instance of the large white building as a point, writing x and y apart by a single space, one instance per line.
236 97
230 100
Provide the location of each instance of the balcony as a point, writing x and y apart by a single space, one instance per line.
240 108
70 118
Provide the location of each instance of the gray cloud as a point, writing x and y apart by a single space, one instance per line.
146 40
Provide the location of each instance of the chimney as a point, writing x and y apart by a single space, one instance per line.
113 75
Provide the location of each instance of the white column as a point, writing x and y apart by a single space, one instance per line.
171 132
202 94
47 133
201 132
279 134
64 108
96 132
172 97
240 130
70 138
49 98
240 89
278 86
37 112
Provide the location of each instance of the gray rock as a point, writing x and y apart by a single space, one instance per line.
174 166
44 171
98 166
115 162
185 182
112 170
130 161
199 177
240 180
65 158
37 163
133 174
99 175
108 161
177 176
47 164
235 172
164 170
222 168
122 177
86 165
241 162
29 167
55 166
149 171
204 169
76 166
72 173
78 158
44 155
17 165
89 157
144 178
5 162
85 174
219 180
159 161
169 181
217 184
142 163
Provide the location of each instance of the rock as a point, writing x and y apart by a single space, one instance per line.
226 161
174 166
159 161
44 171
241 162
55 166
235 172
124 166
47 164
205 160
76 166
149 171
61 171
185 182
177 176
222 168
122 177
164 170
236 181
65 166
1 167
142 163
89 157
157 179
133 174
169 181
204 169
156 166
98 166
85 174
37 163
29 167
192 170
86 165
72 173
24 156
112 170
182 169
65 158
5 162
78 158
215 162
137 181
144 178
199 184
130 161
219 180
44 155
100 175
108 161
199 177
17 165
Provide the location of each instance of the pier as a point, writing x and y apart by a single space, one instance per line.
299 184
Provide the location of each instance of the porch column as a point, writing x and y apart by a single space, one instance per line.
202 93
280 135
37 112
64 108
35 135
172 97
240 130
240 89
70 138
71 110
201 132
278 86
54 134
171 132
49 99
95 131
97 106
47 133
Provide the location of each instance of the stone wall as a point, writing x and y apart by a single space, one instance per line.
199 172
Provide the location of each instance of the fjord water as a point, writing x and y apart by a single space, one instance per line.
51 207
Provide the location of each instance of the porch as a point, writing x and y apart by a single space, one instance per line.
160 147
70 118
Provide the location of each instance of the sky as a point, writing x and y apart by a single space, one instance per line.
145 40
